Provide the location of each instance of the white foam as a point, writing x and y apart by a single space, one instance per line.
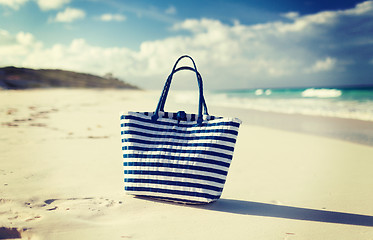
324 103
259 92
321 93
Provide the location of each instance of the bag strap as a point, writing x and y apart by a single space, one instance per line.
167 88
174 70
162 100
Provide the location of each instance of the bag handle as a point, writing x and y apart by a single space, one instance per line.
174 70
167 88
162 100
164 94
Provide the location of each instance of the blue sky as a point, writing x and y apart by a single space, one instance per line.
236 44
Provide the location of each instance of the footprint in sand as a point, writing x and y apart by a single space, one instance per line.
33 218
34 115
28 213
11 111
81 204
5 172
17 213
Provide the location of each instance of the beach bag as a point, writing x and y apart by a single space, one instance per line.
177 157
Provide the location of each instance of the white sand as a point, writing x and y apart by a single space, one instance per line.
61 177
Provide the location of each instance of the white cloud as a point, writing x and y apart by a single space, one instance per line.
150 12
301 51
171 10
5 38
69 15
323 18
15 4
16 47
25 38
306 22
51 4
112 17
291 15
361 8
323 65
21 39
43 4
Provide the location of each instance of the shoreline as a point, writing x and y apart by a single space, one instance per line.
350 130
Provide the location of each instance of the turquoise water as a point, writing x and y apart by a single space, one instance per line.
338 94
329 102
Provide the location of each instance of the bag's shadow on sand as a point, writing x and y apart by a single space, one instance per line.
272 210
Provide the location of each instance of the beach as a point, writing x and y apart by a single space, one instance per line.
61 174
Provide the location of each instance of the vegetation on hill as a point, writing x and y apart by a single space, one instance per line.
25 78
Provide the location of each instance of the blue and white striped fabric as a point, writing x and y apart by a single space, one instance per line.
177 160
177 156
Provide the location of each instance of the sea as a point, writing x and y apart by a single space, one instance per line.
349 103
342 113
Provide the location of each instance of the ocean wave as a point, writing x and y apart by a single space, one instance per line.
260 92
322 93
314 106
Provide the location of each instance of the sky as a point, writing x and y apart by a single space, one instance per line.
236 44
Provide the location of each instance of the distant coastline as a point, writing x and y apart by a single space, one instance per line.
27 78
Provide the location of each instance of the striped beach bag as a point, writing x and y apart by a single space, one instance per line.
177 157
